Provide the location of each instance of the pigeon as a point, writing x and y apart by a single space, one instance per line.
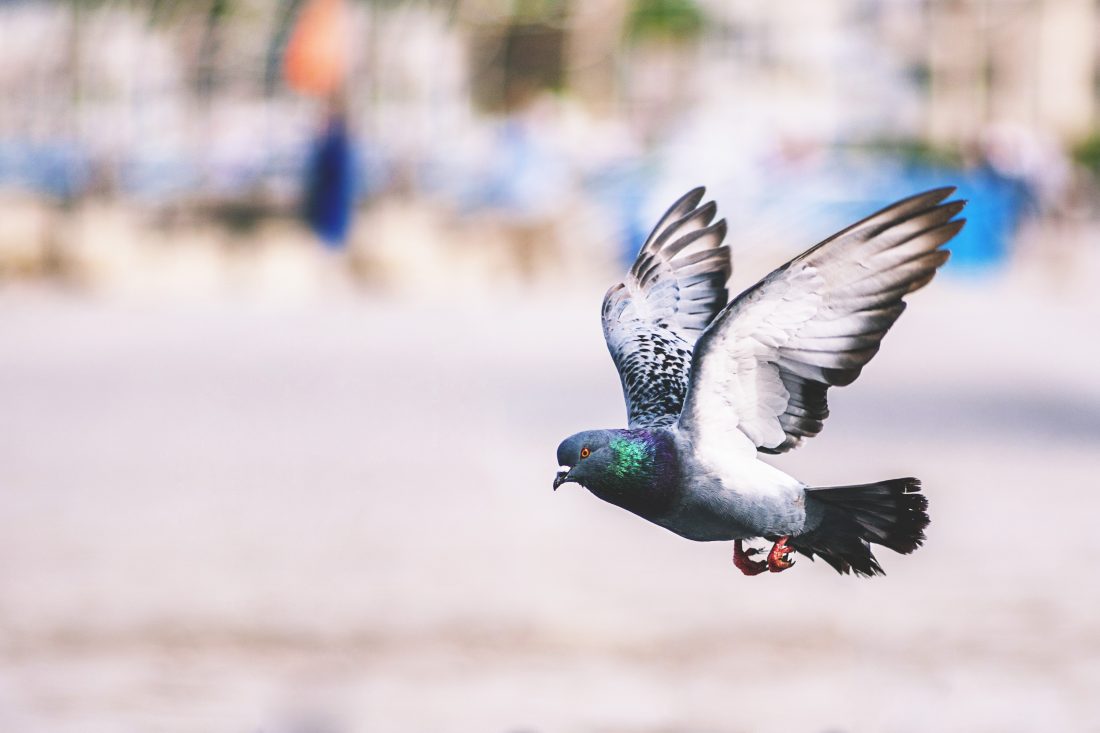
710 385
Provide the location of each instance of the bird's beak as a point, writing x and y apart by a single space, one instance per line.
561 477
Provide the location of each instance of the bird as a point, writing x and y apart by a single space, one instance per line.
711 385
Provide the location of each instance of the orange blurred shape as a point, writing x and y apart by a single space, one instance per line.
316 57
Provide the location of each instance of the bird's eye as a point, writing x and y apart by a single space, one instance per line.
585 452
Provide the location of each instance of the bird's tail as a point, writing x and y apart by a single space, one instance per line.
888 513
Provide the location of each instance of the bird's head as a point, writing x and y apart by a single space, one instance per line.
584 458
634 469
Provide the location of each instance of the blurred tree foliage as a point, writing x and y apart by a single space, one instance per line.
538 11
1087 152
914 151
675 20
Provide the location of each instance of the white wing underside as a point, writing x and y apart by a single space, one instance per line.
762 368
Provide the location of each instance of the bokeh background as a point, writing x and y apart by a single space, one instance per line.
297 299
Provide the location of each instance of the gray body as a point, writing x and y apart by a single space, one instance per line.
718 504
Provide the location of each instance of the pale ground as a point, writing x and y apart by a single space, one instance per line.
336 516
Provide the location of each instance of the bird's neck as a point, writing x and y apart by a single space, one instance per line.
643 475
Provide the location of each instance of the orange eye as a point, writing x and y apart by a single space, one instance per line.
585 452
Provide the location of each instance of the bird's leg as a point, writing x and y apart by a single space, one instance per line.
743 560
779 559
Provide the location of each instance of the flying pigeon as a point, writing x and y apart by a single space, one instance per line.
710 385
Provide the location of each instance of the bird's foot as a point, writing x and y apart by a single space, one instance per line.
779 559
742 558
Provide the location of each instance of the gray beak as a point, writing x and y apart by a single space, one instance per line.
561 477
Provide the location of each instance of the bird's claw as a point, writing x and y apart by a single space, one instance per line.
742 560
779 559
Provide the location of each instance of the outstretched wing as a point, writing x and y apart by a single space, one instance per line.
653 318
764 365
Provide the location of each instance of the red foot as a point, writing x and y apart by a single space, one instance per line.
779 559
744 562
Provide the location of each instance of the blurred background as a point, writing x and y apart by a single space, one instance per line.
297 299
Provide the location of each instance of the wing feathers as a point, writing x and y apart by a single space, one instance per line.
706 238
766 362
904 228
720 255
683 206
657 262
852 342
652 319
853 324
897 213
692 221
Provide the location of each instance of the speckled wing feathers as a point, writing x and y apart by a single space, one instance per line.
764 365
653 318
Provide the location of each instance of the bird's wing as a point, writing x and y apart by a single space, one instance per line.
765 363
653 318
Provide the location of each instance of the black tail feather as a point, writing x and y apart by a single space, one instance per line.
849 518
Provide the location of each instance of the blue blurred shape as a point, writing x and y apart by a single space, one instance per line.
59 169
623 189
996 204
153 176
330 183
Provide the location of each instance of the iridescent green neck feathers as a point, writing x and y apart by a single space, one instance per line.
631 457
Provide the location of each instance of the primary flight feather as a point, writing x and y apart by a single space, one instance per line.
709 384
